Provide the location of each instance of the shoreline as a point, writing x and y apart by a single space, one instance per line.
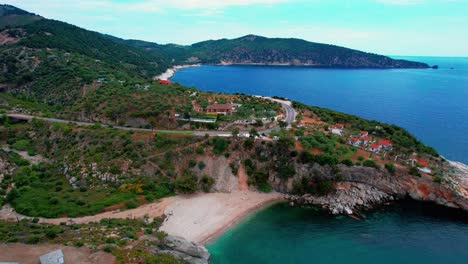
201 218
216 234
169 73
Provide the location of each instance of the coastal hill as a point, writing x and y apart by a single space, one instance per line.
252 49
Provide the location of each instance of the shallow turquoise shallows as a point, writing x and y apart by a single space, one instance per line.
431 104
406 232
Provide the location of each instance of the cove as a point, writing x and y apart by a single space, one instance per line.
404 232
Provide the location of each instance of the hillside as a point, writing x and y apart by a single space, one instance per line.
253 49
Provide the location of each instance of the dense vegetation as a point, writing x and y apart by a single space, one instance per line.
253 49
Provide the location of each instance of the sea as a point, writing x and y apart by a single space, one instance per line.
405 232
432 104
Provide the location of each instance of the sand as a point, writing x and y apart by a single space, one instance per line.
202 217
169 73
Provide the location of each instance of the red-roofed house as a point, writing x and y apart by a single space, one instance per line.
422 162
364 140
374 148
364 133
354 141
220 108
339 125
164 82
386 144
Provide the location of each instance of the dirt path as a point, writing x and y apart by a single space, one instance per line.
243 180
152 210
29 254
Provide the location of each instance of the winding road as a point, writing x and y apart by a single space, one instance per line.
290 116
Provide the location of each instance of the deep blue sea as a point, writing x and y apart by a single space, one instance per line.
431 104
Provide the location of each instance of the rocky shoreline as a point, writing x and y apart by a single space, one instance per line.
347 199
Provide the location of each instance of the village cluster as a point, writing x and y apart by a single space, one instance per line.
378 146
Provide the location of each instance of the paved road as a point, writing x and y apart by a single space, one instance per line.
290 117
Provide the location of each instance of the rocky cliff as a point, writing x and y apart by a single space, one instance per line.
362 187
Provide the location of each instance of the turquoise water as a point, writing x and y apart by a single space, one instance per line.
431 104
402 233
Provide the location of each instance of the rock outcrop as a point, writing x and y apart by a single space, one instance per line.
348 198
179 247
362 187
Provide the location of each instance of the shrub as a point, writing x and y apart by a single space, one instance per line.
108 248
186 183
201 165
414 171
347 162
219 145
192 163
390 168
199 150
206 183
437 179
34 239
370 163
130 204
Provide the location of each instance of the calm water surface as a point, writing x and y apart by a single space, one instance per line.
402 233
431 104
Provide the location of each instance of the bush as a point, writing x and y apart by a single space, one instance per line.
34 239
206 183
370 163
130 204
192 163
390 168
186 183
201 165
437 179
219 145
347 162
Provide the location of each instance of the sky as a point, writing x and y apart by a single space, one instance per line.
390 27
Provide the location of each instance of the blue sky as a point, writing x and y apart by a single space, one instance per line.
391 27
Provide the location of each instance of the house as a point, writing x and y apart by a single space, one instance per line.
336 131
424 166
339 126
374 147
164 82
364 140
385 144
54 257
364 133
220 109
354 141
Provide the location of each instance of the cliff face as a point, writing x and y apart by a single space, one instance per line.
361 187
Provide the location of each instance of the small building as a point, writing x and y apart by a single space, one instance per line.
164 82
364 133
354 141
374 148
339 126
220 108
54 257
336 131
385 144
364 140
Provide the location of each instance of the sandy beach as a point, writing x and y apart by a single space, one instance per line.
202 217
171 71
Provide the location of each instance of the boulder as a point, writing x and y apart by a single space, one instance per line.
179 244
